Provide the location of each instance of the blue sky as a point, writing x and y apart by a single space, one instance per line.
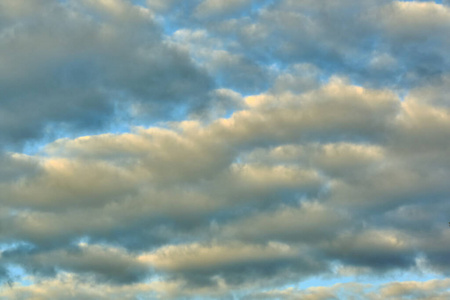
236 149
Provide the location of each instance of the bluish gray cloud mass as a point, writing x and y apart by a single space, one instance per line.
234 149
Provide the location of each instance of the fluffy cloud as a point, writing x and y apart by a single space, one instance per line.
389 43
78 65
283 170
289 146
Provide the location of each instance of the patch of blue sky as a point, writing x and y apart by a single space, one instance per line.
19 275
14 245
121 121
5 246
258 5
33 147
168 27
15 272
54 131
139 2
228 114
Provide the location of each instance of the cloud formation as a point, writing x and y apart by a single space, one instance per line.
82 64
240 151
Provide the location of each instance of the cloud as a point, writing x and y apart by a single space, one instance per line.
235 71
106 264
210 8
433 289
69 287
383 47
62 288
306 170
309 223
70 65
173 150
233 264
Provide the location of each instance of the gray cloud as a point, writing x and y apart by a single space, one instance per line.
331 160
67 66
234 264
105 264
376 43
272 172
433 289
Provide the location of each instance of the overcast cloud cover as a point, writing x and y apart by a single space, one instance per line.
211 149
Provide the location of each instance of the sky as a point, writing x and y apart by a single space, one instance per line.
209 149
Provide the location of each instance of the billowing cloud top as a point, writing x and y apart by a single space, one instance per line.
224 149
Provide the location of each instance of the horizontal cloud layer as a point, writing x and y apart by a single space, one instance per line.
237 151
